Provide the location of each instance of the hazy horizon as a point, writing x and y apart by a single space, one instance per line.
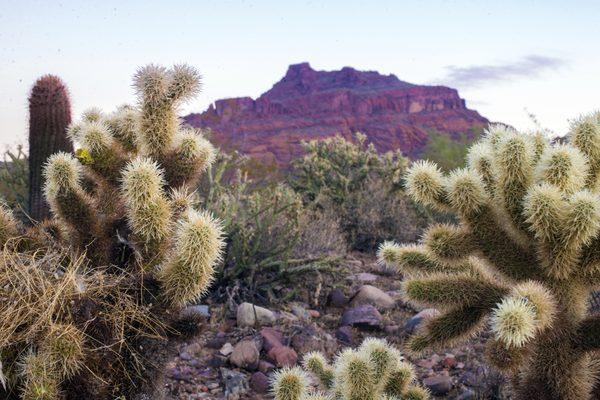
506 60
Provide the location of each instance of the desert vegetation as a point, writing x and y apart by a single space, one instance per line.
134 251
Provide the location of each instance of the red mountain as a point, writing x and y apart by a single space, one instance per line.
308 104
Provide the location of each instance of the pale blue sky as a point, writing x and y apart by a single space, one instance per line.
502 56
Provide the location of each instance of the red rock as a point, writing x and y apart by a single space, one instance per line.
271 338
259 382
308 104
283 356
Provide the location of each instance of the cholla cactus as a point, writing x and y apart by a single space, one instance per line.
375 371
525 254
91 301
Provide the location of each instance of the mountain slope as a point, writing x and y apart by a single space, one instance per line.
308 104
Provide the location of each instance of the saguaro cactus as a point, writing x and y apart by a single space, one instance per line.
526 254
92 301
49 118
375 371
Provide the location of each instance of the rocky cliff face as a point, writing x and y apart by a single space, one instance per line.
308 104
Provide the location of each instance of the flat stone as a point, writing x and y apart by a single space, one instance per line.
376 297
364 277
249 315
226 349
364 316
245 355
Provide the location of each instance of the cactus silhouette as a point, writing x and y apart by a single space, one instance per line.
525 253
49 118
375 371
102 290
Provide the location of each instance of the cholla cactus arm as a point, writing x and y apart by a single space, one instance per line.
190 268
530 211
101 152
9 226
290 384
41 380
124 125
449 328
68 200
354 377
446 291
148 209
190 157
316 364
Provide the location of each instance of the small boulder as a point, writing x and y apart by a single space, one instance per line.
226 349
259 382
271 338
248 315
439 385
283 356
337 298
376 297
345 335
364 316
245 355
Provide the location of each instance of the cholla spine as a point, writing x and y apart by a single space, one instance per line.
375 371
528 237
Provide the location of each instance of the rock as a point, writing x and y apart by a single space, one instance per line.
259 382
283 356
265 367
236 383
227 349
345 335
313 338
245 355
248 315
412 324
394 115
271 338
337 298
364 316
467 394
449 362
376 297
314 313
439 385
218 360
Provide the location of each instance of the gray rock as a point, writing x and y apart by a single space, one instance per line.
227 349
248 315
376 297
345 335
235 383
245 355
364 277
364 316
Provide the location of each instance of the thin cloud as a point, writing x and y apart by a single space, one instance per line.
530 66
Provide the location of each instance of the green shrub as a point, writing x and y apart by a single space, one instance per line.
14 178
270 234
447 151
355 183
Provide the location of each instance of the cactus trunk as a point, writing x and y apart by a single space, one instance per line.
49 118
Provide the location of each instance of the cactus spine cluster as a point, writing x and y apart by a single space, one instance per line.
375 371
524 256
92 300
49 118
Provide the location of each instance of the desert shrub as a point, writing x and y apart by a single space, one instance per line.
525 255
270 234
448 151
93 301
14 178
352 181
375 371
